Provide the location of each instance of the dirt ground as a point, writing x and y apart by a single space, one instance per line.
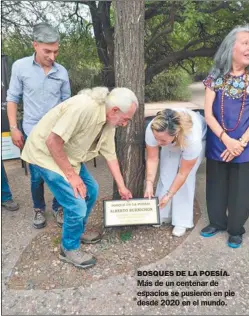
122 250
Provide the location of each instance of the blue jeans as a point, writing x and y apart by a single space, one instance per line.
5 189
37 188
76 210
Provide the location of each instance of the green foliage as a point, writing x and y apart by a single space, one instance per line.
198 68
77 54
202 67
16 47
170 85
56 240
173 31
84 78
180 28
125 236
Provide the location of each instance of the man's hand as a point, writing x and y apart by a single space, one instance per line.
125 193
17 138
55 146
149 190
78 185
234 146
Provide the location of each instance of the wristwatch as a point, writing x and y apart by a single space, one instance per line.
243 142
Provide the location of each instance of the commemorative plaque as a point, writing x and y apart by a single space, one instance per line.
131 212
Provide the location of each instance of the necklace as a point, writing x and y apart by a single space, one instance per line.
242 105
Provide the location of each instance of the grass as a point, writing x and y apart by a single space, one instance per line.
56 240
125 236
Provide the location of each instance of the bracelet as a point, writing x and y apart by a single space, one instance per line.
13 127
221 134
150 181
169 193
243 143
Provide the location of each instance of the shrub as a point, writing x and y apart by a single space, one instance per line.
170 85
84 78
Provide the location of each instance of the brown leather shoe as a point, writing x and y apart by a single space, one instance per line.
90 237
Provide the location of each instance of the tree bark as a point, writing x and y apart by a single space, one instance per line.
129 73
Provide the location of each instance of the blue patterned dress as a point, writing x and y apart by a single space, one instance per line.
234 90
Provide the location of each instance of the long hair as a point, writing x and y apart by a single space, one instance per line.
224 56
120 97
99 94
175 123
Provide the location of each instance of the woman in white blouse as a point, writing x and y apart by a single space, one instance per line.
181 134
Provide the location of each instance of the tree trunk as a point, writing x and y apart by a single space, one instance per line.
107 76
103 33
129 73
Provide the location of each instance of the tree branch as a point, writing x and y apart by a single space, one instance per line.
174 58
222 5
197 41
152 10
165 31
104 13
98 33
192 66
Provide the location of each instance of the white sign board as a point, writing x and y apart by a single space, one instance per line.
9 150
131 212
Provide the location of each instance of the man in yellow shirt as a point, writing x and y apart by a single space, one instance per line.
75 131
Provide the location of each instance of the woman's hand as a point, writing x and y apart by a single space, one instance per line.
227 156
234 146
164 201
125 193
149 190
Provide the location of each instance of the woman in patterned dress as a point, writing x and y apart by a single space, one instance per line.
227 149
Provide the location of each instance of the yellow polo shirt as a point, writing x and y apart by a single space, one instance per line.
78 121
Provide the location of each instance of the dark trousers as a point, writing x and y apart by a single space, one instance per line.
37 188
5 189
228 195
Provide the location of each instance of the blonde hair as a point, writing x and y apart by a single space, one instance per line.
120 97
175 123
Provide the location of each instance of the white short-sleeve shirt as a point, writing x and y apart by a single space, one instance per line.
194 138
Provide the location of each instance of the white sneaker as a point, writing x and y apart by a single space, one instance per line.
164 220
179 231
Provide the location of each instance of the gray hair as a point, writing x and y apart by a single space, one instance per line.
224 56
99 94
45 33
122 98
